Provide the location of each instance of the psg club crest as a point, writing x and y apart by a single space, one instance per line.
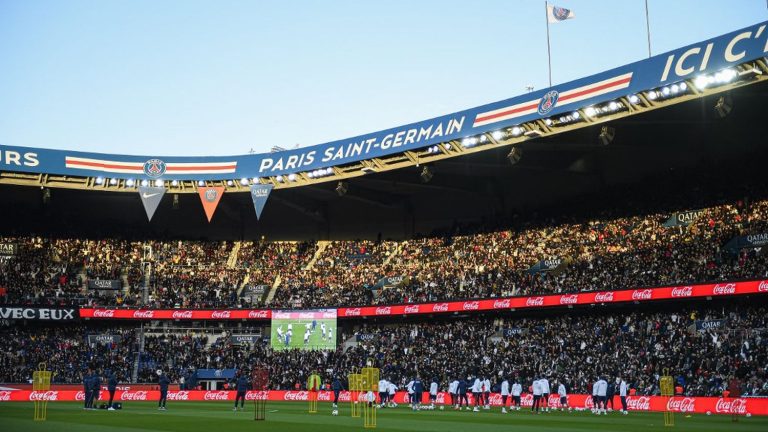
560 13
210 195
154 168
548 101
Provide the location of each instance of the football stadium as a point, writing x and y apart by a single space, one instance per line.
591 255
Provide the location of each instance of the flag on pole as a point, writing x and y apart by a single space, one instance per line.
556 14
210 197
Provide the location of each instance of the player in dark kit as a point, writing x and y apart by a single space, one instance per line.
95 388
337 388
163 381
111 387
242 387
87 389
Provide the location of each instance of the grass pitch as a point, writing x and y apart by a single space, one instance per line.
293 416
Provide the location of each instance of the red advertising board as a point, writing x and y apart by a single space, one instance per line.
682 404
506 303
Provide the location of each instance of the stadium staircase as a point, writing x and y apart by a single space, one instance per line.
273 290
232 260
321 246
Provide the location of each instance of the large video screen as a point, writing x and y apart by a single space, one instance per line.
304 329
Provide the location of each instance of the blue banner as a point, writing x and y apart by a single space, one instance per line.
215 374
546 265
683 218
259 195
747 241
705 57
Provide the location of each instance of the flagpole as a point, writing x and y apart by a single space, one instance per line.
549 50
648 28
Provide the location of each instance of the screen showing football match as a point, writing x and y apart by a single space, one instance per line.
304 329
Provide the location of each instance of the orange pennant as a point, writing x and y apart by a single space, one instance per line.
210 197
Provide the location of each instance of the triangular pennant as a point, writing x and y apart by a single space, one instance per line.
151 197
259 195
210 197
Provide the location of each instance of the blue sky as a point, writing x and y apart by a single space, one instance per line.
217 78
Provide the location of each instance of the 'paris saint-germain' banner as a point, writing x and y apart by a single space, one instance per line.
684 63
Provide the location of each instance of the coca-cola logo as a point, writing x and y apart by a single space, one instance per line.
440 307
569 299
221 314
604 297
5 395
221 395
471 305
257 314
144 314
257 395
495 399
79 396
411 309
104 313
526 400
641 403
352 312
534 301
685 291
324 396
440 398
50 395
724 289
645 294
179 395
736 406
681 405
182 314
384 310
139 395
296 396
763 286
589 402
502 304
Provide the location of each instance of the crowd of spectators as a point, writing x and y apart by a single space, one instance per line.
573 348
599 250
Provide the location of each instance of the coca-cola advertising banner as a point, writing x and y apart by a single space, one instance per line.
554 300
315 314
582 298
176 314
681 404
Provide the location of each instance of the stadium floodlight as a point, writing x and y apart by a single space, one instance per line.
159 183
244 181
200 183
590 111
683 86
633 99
548 122
144 183
725 76
329 171
291 177
448 146
483 138
653 94
665 91
724 105
575 115
675 88
426 174
311 174
701 82
613 106
129 182
99 180
514 156
113 181
516 131
497 135
230 183
607 134
279 178
175 183
255 180
342 188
